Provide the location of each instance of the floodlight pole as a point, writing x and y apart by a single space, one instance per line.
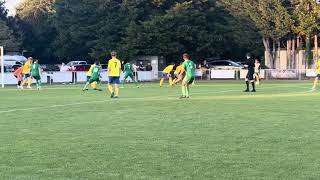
2 66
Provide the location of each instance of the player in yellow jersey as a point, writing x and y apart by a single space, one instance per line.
114 69
166 73
317 78
26 73
177 76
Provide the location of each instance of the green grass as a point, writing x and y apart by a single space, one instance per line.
220 133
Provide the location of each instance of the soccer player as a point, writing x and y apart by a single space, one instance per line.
35 73
18 74
250 75
95 76
177 76
188 67
89 74
257 68
26 73
317 78
166 73
128 72
114 69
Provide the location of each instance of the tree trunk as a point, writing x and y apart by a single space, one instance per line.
293 55
289 48
308 51
269 58
274 53
278 53
298 43
316 53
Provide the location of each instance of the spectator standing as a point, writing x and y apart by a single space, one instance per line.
141 66
149 67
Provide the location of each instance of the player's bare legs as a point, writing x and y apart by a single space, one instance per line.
85 88
258 79
161 82
110 88
184 90
29 83
117 90
314 84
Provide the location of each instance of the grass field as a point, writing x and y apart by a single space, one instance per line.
220 133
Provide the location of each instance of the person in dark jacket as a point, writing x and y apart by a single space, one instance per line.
249 64
149 67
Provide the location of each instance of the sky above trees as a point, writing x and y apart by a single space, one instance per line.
11 4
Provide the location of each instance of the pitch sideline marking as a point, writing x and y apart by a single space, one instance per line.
58 87
93 102
52 106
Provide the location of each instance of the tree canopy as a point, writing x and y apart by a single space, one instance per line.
7 36
57 30
279 20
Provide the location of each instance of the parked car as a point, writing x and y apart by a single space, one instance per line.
241 63
11 60
76 63
15 67
83 67
50 67
73 64
104 67
224 64
5 69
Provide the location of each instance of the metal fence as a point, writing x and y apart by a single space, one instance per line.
201 74
266 74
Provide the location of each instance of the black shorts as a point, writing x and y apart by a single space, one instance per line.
250 76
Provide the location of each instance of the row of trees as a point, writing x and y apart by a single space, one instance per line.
79 29
7 36
282 23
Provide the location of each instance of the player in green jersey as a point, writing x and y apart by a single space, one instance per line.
189 70
95 77
128 72
36 73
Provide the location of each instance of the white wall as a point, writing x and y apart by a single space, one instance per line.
281 62
66 77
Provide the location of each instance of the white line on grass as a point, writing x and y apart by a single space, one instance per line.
60 87
142 98
52 106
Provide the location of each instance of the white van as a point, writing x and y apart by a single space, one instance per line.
12 60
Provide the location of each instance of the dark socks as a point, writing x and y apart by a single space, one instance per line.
253 85
247 83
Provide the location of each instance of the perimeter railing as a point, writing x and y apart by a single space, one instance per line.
201 74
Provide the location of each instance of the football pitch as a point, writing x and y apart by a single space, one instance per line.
148 134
